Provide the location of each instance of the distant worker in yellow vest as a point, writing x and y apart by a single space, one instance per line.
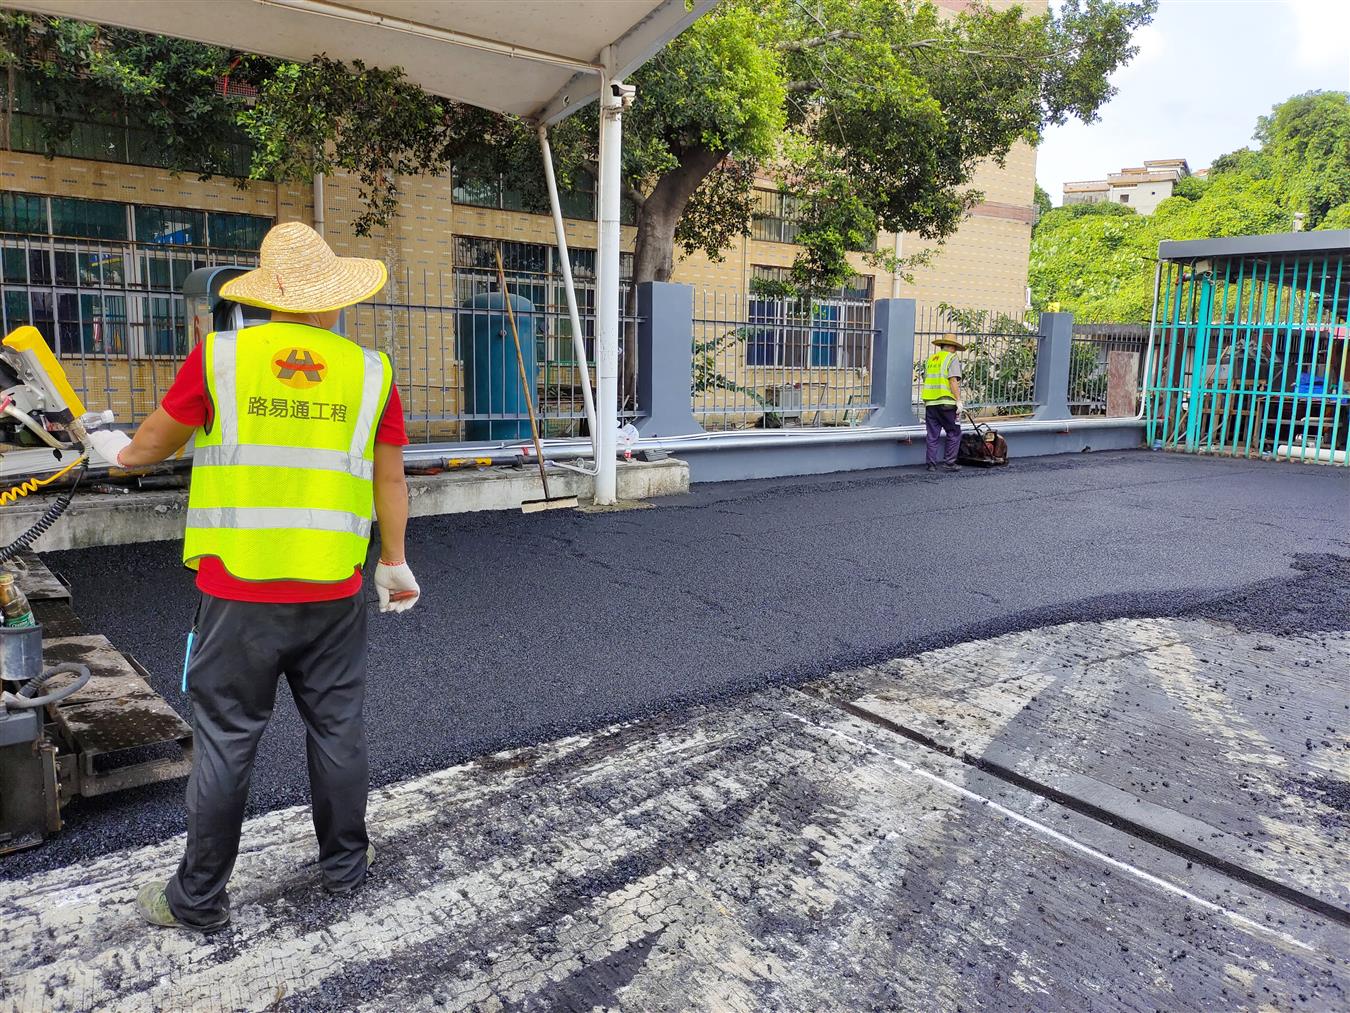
942 403
299 439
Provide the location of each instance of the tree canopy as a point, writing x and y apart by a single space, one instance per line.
1097 259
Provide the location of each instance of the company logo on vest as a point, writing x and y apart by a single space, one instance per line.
300 368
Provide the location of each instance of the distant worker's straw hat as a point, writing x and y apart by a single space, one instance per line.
949 341
299 273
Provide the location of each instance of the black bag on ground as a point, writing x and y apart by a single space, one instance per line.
984 447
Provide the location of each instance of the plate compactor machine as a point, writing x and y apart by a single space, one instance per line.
77 718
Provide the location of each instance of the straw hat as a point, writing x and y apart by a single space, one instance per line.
949 341
299 273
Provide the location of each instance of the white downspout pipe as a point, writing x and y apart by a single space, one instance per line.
578 338
318 204
895 275
607 296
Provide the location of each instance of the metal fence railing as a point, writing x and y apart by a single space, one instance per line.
998 365
1106 368
1251 356
455 359
114 314
770 362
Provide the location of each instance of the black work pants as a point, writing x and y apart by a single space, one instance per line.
240 651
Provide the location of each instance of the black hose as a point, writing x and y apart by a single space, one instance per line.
48 518
25 698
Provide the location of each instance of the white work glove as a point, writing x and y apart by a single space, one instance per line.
960 409
109 443
396 586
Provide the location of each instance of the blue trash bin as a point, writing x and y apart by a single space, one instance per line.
492 385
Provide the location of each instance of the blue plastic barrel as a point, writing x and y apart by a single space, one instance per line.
492 385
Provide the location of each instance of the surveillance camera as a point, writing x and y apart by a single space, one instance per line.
625 93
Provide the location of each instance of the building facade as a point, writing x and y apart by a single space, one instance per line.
1141 187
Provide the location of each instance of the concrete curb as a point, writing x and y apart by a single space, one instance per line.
124 519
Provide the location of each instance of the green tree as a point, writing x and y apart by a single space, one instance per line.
872 115
1042 203
1337 218
75 70
1307 140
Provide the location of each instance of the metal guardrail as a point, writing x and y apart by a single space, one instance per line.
998 365
115 316
456 365
1106 369
773 363
1252 357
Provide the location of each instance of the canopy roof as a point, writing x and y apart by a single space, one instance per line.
537 59
1330 241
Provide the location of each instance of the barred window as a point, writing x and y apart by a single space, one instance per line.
834 331
577 202
103 278
773 217
108 134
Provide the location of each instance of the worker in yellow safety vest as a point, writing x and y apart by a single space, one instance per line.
299 441
941 395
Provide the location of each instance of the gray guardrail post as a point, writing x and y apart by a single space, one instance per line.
665 342
1052 367
893 363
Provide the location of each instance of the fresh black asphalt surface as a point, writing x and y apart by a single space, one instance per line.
534 626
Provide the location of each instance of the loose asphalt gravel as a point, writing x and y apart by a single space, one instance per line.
534 626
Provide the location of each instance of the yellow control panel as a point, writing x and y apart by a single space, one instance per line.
32 347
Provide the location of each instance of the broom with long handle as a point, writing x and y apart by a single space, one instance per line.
548 502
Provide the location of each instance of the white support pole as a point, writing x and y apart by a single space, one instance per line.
578 339
607 296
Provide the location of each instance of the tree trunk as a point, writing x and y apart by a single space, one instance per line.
654 248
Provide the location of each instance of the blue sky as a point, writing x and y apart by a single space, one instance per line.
1206 69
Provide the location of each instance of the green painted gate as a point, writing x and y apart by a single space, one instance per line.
1249 348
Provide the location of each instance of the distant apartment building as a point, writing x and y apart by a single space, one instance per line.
1141 187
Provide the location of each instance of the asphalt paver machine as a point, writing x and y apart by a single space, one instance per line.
77 717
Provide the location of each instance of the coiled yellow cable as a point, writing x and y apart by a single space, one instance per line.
34 484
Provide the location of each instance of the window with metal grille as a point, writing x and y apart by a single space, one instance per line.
102 277
834 331
775 220
108 134
577 202
772 220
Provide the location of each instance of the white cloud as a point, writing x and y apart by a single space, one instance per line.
1152 43
1322 33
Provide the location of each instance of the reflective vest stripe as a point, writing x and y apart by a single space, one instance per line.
283 457
372 383
269 518
936 385
225 369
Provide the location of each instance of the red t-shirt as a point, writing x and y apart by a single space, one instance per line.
187 403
